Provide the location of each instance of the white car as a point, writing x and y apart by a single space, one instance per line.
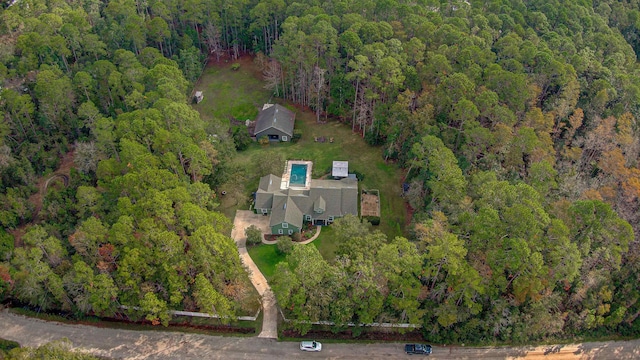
310 346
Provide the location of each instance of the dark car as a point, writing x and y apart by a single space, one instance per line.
421 349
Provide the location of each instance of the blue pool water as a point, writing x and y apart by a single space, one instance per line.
298 174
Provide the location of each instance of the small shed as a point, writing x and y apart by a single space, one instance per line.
198 97
340 169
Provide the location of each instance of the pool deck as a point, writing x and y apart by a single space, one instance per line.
286 177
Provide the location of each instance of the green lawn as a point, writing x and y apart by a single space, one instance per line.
326 244
266 259
227 93
231 94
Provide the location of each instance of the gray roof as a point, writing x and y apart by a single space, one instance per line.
285 210
350 201
277 117
340 197
319 204
264 196
335 198
264 200
270 183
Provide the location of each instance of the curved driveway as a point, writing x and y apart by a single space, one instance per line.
243 220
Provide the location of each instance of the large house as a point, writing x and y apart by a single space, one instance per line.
275 122
318 202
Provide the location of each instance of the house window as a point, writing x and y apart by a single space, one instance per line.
280 231
285 225
285 138
264 211
290 231
330 218
307 217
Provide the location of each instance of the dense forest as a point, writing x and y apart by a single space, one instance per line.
135 230
516 123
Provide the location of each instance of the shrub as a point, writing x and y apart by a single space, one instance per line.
253 234
297 237
297 134
374 220
235 66
261 61
7 345
284 245
241 138
359 175
263 140
374 138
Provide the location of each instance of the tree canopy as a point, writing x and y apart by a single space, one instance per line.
516 123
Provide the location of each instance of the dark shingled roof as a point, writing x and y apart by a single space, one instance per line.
268 186
326 198
277 117
285 210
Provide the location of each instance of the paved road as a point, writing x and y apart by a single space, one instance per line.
138 345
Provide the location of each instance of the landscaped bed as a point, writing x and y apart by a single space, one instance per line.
369 203
307 232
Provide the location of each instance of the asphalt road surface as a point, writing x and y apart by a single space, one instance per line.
128 344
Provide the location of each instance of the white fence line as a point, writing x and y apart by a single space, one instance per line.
331 323
199 314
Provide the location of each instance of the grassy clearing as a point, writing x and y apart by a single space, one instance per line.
266 258
239 94
228 93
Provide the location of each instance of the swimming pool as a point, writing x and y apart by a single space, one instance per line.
298 174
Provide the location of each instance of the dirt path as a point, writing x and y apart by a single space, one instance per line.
36 199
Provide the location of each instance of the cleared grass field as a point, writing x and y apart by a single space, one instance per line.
230 93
